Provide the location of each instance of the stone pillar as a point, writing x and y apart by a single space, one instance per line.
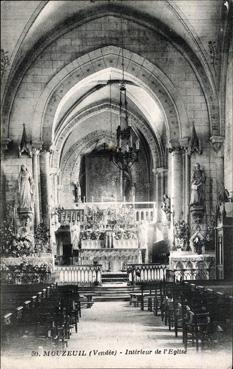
154 185
217 145
186 177
176 183
35 171
160 182
45 185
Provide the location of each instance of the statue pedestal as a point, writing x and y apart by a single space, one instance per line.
187 265
197 212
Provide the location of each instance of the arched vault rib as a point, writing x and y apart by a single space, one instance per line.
154 142
151 78
200 67
70 163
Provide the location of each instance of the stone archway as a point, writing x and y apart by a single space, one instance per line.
151 78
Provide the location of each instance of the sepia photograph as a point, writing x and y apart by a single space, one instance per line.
116 188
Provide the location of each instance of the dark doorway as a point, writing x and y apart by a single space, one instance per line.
67 254
160 252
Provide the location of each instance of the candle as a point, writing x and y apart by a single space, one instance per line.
92 198
137 145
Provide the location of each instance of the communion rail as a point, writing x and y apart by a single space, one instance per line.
138 273
80 274
143 211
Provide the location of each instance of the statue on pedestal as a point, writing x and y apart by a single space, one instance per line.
166 206
25 184
77 192
75 230
197 186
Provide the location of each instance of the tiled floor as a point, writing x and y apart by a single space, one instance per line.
116 335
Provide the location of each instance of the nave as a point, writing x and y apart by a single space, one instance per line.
139 331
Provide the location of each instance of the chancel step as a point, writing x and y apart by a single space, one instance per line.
109 293
111 277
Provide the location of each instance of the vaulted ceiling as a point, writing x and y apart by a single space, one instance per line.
195 21
28 25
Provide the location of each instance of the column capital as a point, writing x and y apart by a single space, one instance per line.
175 149
174 146
35 151
217 142
184 143
36 148
48 147
5 142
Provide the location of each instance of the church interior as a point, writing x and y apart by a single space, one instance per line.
117 183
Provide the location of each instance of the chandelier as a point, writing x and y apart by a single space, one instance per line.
127 150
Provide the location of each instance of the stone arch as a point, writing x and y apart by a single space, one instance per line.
70 164
194 58
152 79
139 123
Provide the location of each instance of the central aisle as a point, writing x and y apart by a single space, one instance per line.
117 335
117 326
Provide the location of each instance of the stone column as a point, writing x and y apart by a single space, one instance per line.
160 178
154 184
35 171
45 185
217 145
186 177
176 183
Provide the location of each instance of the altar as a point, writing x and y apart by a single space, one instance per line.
111 253
113 260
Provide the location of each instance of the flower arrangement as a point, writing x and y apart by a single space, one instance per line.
41 237
20 244
25 273
125 234
181 234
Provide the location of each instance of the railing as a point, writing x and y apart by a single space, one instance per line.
190 274
138 273
67 216
143 211
80 274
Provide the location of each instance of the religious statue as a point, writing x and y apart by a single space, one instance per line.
25 183
133 192
77 192
75 235
166 206
197 186
197 242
